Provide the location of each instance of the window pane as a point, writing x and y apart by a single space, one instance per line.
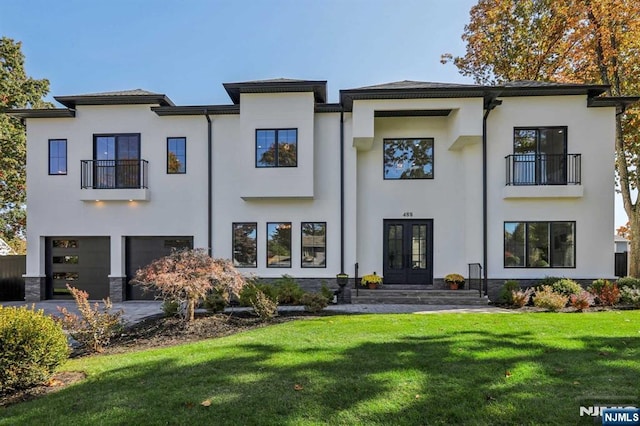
66 259
245 245
514 244
266 148
287 148
279 245
562 235
57 157
395 244
419 247
65 243
176 155
538 244
314 244
408 159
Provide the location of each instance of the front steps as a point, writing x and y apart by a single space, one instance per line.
417 295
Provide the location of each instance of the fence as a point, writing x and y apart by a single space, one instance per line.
11 282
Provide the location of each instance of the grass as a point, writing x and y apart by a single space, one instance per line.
368 369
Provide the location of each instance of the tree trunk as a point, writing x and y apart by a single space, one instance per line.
191 309
634 254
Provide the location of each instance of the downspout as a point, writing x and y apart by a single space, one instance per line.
490 104
209 185
342 192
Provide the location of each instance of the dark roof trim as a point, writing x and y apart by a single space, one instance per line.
328 108
487 92
413 113
613 101
318 87
42 113
197 110
133 99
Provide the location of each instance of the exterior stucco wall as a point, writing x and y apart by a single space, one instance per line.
590 132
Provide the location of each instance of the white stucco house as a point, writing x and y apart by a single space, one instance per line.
413 180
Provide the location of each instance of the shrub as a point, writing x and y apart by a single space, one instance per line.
186 276
567 287
630 296
520 298
171 308
546 298
326 292
628 282
581 301
263 306
289 291
248 293
32 345
505 295
548 281
94 327
605 292
215 302
314 302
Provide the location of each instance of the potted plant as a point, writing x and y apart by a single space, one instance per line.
342 279
455 281
371 280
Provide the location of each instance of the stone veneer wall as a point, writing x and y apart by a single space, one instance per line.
117 288
34 289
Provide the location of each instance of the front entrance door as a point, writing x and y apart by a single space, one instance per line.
408 251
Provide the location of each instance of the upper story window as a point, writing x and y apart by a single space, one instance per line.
176 155
57 156
540 158
116 161
539 245
276 147
408 158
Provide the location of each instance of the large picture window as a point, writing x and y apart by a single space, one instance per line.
276 147
176 155
57 156
314 244
279 245
408 158
245 245
539 245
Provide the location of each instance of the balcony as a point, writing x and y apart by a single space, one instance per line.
125 180
543 176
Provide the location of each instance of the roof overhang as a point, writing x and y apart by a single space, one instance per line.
197 110
613 101
348 96
42 113
150 99
412 113
318 87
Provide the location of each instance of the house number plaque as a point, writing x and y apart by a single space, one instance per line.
407 214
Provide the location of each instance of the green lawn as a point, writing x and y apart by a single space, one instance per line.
364 369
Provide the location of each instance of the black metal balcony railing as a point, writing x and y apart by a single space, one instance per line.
114 174
544 169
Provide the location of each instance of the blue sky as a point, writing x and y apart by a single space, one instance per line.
187 49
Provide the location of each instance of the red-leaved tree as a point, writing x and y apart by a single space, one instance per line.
186 276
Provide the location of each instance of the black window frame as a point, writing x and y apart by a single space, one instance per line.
538 155
526 244
233 244
290 245
433 158
125 176
66 158
184 160
302 265
276 156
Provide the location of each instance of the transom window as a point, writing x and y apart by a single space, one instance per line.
276 148
176 155
314 244
245 245
279 245
57 156
408 158
539 245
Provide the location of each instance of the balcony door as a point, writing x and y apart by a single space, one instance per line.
116 161
540 156
408 251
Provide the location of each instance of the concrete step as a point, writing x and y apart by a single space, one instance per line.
418 297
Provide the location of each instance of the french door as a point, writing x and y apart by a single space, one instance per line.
408 251
117 161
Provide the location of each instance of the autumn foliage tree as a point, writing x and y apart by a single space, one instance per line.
186 276
17 90
569 41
